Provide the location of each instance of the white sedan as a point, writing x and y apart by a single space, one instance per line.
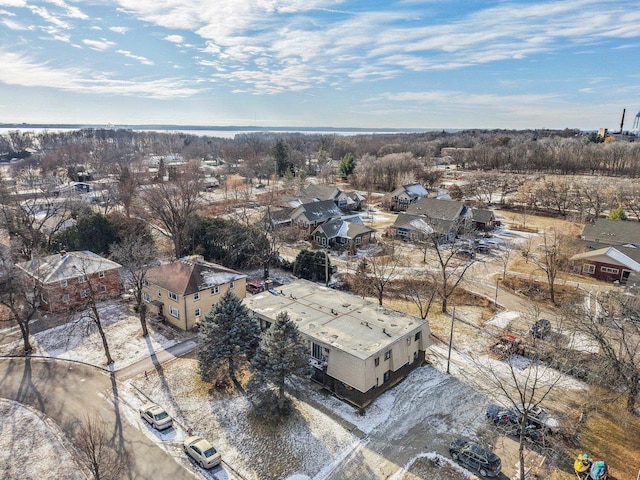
202 452
156 416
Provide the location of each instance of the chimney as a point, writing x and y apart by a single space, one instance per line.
63 253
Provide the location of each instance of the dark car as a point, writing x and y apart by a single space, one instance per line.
541 328
509 421
476 458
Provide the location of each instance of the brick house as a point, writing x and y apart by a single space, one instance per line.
67 279
184 291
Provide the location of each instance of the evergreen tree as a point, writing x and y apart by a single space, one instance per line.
282 353
346 166
228 335
312 266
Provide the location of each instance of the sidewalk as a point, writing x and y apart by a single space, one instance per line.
156 359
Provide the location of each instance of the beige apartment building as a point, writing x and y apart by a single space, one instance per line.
357 350
184 291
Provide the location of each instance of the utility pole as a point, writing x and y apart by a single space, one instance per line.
453 318
495 298
326 269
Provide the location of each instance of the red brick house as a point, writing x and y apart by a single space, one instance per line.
67 279
607 264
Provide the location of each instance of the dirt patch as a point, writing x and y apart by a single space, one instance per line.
537 290
433 468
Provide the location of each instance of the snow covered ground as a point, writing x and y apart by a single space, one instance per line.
80 340
302 444
31 446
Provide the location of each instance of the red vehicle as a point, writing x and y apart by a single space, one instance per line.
255 287
507 345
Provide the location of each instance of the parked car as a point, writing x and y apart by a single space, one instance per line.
506 346
255 287
465 253
476 458
539 416
541 328
156 416
509 420
201 451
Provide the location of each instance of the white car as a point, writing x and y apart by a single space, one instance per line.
156 416
541 417
201 451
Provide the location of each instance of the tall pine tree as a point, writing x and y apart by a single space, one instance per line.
228 335
282 353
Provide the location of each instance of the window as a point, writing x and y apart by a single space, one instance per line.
387 355
197 312
63 283
103 288
215 290
100 274
196 296
173 296
417 337
159 293
376 362
408 340
415 356
82 279
84 293
65 298
609 270
146 297
174 312
386 377
588 268
316 351
145 283
230 285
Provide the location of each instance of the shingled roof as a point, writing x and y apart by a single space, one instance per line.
437 208
66 266
612 232
187 276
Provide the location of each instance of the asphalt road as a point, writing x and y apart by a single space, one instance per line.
67 392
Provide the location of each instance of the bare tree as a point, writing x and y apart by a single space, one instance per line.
381 268
421 292
172 204
613 323
97 451
453 259
137 256
522 390
552 258
20 296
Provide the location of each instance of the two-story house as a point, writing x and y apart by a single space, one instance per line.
182 292
70 279
357 350
403 196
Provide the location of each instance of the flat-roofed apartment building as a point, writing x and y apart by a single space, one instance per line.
358 350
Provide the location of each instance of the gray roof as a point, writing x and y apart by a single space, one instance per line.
320 211
627 249
612 255
482 216
66 266
321 192
345 321
339 228
612 232
422 223
437 208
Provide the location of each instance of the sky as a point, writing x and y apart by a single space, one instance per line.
305 63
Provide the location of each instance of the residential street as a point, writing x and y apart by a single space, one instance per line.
67 392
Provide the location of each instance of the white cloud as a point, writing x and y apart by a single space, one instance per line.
143 60
13 3
21 70
11 25
174 38
121 30
49 17
101 45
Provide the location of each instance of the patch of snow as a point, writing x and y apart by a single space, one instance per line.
503 319
80 340
31 447
399 475
582 342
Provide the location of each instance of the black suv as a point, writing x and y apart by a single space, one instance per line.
475 457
